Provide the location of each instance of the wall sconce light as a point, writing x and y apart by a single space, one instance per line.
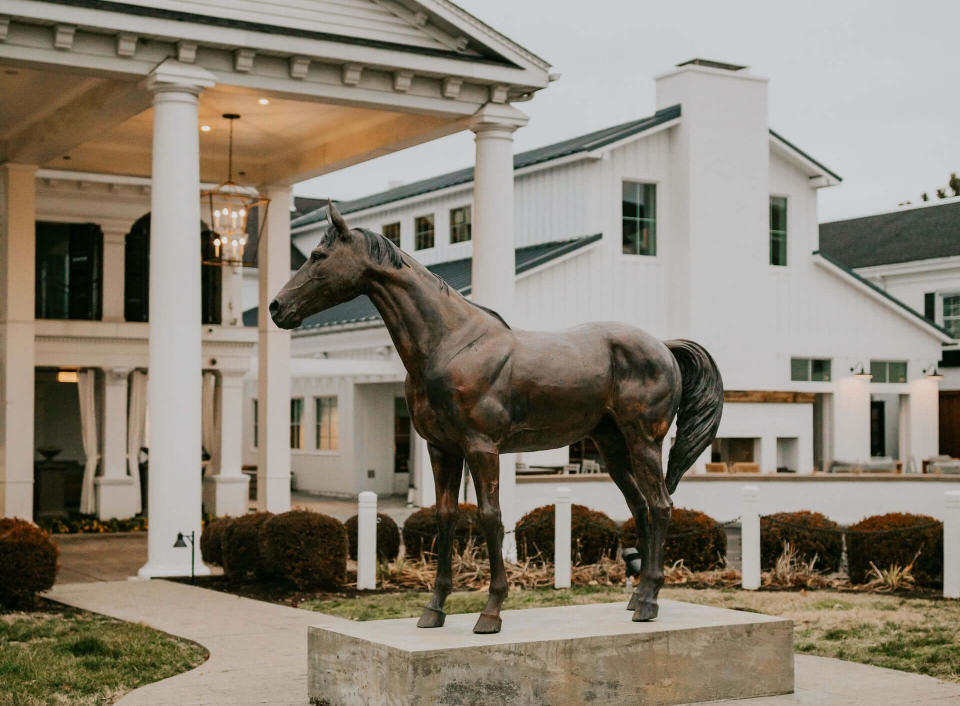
68 376
933 373
180 544
859 371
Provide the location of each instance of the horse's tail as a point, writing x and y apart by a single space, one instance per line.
701 404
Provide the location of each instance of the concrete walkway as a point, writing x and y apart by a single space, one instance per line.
258 653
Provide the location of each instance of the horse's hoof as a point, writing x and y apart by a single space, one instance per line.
646 610
634 600
487 624
431 618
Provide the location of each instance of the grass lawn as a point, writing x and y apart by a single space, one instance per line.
910 634
71 657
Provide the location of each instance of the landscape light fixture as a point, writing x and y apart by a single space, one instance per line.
933 372
227 209
180 544
859 371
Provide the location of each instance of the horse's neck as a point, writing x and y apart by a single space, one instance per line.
420 312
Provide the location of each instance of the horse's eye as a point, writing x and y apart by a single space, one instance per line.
317 256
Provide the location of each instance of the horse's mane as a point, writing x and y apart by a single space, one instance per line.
385 251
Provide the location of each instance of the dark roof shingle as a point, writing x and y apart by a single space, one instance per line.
922 233
457 273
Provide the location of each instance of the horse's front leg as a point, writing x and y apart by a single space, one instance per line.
447 472
485 469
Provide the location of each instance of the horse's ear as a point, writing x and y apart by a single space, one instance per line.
337 220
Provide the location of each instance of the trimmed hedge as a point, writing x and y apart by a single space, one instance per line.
211 540
388 537
240 547
306 548
886 549
593 535
28 562
420 531
804 539
692 536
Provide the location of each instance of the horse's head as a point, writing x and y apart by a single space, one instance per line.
332 275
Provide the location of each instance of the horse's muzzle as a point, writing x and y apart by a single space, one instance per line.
282 316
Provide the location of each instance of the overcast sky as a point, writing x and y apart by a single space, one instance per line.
869 89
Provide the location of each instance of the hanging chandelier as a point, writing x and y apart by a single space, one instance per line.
226 211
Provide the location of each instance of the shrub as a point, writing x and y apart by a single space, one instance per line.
805 539
28 562
420 530
388 537
308 549
240 547
867 541
693 537
211 540
593 535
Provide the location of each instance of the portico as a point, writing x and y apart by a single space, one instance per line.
116 113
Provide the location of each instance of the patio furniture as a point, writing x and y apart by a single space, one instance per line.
717 468
745 468
590 467
943 465
571 468
879 464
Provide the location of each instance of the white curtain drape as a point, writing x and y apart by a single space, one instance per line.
87 389
210 420
136 415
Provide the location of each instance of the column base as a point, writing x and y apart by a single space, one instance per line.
161 571
16 499
226 495
116 497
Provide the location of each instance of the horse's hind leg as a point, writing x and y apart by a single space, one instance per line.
447 472
485 468
616 457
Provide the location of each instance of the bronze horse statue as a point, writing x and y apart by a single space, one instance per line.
477 388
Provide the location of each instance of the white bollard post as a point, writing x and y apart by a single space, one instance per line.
367 541
563 528
750 537
951 546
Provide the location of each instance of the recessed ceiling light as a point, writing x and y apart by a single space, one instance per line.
205 128
264 101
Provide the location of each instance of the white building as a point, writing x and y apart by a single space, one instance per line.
698 222
913 253
110 111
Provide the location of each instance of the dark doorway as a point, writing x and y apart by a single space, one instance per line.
878 428
401 437
950 422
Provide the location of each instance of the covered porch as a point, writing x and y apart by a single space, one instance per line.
126 103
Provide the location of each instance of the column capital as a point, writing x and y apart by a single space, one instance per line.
173 75
116 376
498 116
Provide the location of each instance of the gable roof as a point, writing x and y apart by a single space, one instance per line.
806 159
583 143
869 287
906 235
457 273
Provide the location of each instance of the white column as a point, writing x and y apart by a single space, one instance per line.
174 383
116 493
273 354
18 196
851 416
562 528
367 541
426 493
923 419
951 546
114 248
225 487
750 537
494 261
231 312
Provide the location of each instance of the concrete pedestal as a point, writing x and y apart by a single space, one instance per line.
555 657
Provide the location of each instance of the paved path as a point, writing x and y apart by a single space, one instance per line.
258 653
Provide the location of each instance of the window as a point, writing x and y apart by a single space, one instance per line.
328 423
391 232
296 426
69 271
809 370
951 314
639 214
256 423
460 231
778 231
888 370
423 228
